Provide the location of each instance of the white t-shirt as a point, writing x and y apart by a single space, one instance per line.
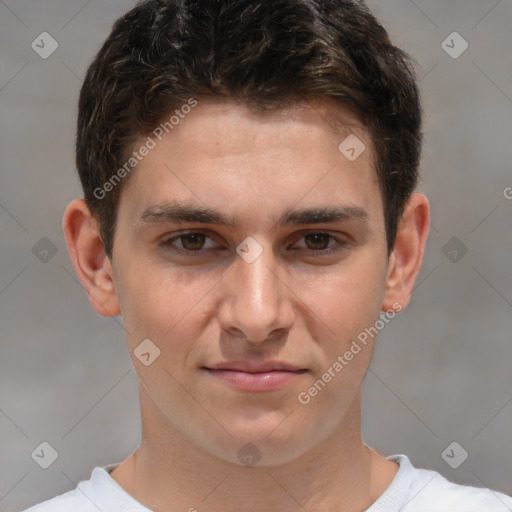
412 490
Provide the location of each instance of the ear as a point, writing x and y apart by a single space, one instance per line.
87 251
407 256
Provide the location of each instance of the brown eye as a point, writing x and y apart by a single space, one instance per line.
317 241
192 241
319 244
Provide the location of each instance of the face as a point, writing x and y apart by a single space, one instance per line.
251 241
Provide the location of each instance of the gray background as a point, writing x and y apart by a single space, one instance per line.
441 372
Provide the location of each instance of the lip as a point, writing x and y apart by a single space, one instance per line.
251 377
245 366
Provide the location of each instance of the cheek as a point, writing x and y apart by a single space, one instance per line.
161 303
348 302
349 298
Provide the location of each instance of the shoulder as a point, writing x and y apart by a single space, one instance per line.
72 500
429 491
100 492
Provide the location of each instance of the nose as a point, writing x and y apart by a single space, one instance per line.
257 302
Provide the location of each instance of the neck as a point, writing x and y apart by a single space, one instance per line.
169 472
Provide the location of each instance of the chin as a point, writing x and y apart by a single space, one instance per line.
255 446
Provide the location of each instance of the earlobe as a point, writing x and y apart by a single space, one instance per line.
91 263
407 256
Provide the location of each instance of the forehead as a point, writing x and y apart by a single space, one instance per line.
220 127
223 155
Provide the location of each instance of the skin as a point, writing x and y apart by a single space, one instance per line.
291 304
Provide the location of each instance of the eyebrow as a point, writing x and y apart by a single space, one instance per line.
174 212
317 215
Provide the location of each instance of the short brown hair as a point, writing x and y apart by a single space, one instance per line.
265 54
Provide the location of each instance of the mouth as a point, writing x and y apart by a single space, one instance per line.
250 377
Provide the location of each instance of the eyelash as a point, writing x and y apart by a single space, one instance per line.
167 244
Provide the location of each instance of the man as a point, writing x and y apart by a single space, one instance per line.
249 171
